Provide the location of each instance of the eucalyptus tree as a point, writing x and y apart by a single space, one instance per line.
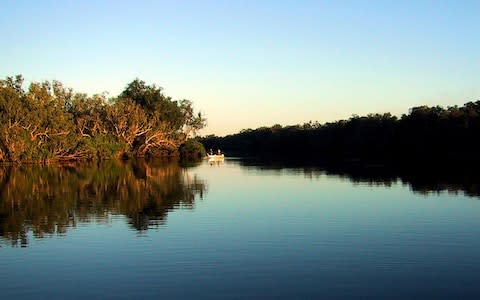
50 122
12 115
157 122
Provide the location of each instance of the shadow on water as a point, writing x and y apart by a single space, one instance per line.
421 178
47 200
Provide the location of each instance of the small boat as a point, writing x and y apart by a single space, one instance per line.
215 156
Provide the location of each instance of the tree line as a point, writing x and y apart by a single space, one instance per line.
49 122
427 134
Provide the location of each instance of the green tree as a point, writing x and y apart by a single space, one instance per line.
50 122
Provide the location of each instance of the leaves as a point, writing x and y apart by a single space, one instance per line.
51 122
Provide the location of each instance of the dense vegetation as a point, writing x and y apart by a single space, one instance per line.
429 134
49 122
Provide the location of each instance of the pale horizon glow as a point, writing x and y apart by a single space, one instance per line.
247 64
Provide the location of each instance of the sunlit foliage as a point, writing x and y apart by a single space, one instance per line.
48 122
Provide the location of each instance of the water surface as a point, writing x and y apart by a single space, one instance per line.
235 229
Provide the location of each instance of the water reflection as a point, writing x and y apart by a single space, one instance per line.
421 179
47 200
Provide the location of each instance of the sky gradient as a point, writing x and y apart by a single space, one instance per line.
246 64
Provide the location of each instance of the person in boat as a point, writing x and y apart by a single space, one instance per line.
211 151
219 152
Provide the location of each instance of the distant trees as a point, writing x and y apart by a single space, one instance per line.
424 134
49 122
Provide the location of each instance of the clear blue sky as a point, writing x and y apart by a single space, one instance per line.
246 64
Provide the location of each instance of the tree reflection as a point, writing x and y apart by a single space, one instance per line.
47 200
423 180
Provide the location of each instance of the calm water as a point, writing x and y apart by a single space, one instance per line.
236 229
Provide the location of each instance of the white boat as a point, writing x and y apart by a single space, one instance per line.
215 156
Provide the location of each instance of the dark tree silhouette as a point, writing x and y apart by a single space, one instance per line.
425 135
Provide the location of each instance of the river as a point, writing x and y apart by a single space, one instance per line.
236 229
